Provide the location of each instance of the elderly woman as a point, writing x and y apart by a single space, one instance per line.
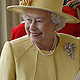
43 54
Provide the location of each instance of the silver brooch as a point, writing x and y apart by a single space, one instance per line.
70 48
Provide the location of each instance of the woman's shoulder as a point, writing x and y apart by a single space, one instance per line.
20 40
62 35
21 43
19 46
65 38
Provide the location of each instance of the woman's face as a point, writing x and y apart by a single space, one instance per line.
39 26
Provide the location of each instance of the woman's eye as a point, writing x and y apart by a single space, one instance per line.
29 20
40 21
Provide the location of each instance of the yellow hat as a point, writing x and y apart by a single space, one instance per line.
48 5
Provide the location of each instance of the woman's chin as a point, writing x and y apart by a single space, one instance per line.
35 41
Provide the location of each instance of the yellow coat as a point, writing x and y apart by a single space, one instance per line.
21 60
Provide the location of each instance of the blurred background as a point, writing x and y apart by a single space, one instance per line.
8 20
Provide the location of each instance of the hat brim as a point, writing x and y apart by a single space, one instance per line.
19 9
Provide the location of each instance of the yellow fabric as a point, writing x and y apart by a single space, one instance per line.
21 60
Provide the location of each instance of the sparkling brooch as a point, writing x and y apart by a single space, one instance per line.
25 2
70 48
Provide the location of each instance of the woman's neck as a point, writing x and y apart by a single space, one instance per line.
49 45
46 47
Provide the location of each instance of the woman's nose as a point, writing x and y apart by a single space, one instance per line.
33 26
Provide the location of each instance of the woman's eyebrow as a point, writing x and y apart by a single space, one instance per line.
36 17
28 15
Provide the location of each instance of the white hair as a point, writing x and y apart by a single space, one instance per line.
56 19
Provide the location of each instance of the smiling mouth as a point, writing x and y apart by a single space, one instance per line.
36 34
